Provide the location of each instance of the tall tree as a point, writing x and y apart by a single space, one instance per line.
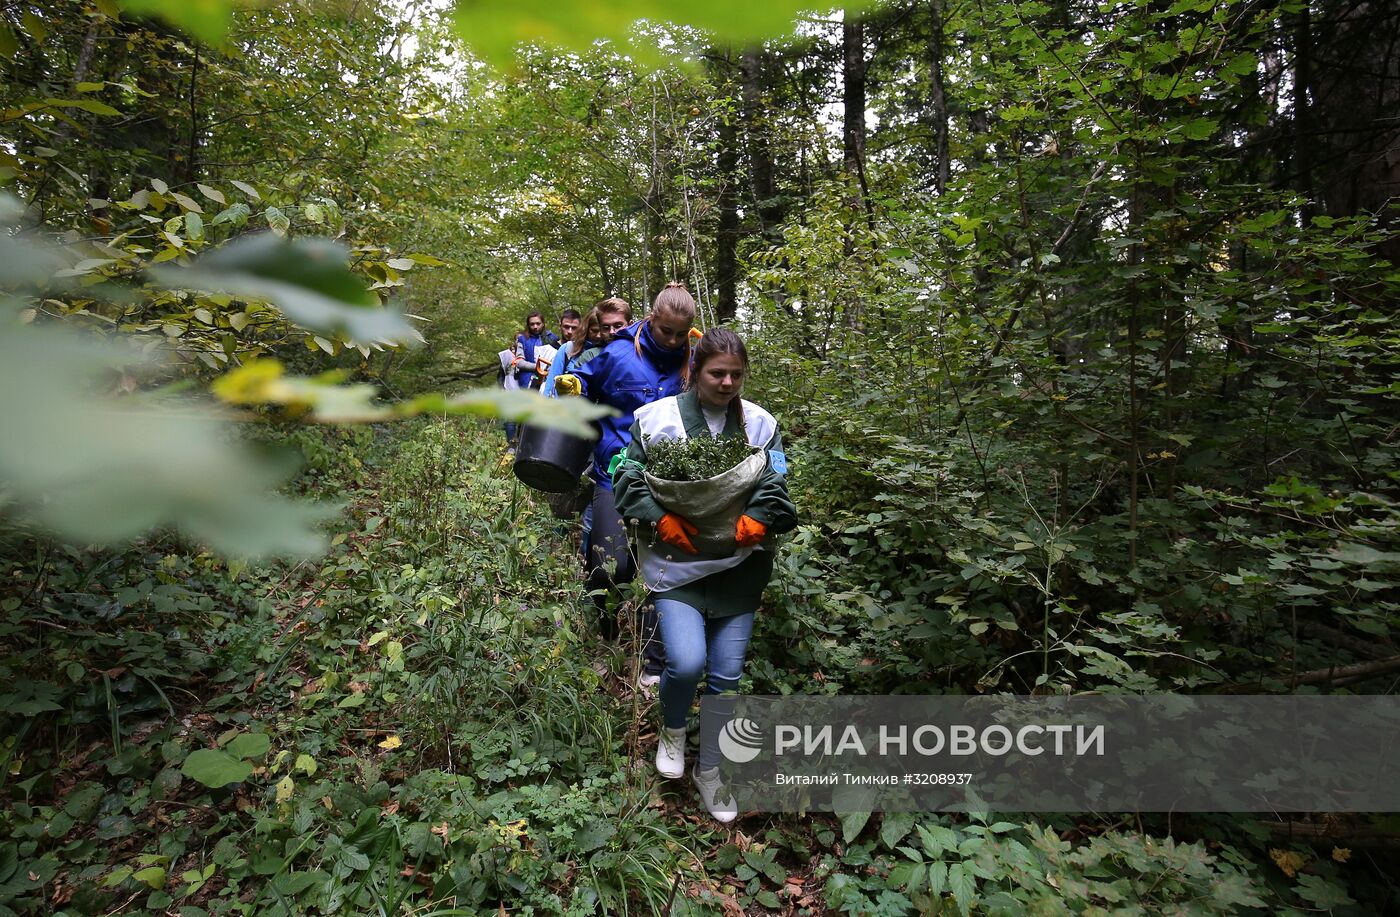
754 66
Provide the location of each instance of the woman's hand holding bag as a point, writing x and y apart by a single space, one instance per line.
748 531
676 531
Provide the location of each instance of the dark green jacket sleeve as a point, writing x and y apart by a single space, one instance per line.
630 490
770 503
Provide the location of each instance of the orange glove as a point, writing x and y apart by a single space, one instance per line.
676 530
748 531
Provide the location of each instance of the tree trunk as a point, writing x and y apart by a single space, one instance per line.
190 172
653 205
727 233
1302 129
853 79
760 149
937 97
603 274
1350 56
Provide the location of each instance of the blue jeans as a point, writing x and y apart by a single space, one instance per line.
697 646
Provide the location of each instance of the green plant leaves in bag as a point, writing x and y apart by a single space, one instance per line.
696 459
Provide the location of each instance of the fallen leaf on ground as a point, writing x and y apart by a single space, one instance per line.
1287 860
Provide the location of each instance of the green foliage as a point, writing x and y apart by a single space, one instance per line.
207 20
264 382
696 458
106 468
383 728
409 745
212 767
1006 868
307 280
1102 398
495 29
1065 447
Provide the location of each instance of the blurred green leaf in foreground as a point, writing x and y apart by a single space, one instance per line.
308 279
89 457
495 28
95 468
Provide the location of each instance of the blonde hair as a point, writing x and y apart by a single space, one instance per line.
674 299
614 304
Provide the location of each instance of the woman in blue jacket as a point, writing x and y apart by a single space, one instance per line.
645 362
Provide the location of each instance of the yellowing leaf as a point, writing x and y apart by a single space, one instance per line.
391 743
513 829
306 764
187 202
1287 860
152 876
285 788
1341 854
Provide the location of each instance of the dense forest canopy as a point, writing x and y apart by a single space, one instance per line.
1078 319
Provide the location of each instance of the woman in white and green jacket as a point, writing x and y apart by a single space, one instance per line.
705 601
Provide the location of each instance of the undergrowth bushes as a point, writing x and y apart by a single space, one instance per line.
422 719
415 717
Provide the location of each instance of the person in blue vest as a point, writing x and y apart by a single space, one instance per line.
536 335
645 362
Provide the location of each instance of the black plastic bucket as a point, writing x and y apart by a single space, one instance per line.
550 460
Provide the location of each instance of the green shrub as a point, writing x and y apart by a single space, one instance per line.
696 458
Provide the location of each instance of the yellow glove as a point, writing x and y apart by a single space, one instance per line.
567 384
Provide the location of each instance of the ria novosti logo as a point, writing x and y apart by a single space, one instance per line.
741 740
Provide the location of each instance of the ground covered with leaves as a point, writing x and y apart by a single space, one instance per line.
421 722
